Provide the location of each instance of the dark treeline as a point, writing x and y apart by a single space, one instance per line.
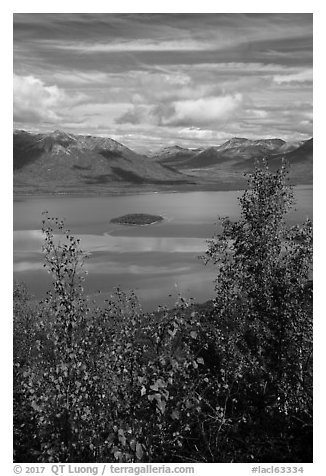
230 381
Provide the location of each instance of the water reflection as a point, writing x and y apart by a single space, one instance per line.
154 260
31 241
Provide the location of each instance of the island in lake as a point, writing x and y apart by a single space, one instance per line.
137 219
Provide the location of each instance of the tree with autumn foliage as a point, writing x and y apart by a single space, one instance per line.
263 306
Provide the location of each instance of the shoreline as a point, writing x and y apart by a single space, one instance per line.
121 193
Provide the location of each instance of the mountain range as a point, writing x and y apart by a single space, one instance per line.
61 162
226 164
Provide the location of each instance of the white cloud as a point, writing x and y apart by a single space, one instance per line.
139 114
202 135
181 44
301 77
34 101
203 111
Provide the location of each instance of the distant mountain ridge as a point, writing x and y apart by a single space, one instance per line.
238 155
61 162
237 147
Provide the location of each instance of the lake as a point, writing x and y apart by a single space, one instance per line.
158 261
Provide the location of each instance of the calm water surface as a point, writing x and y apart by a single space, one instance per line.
157 261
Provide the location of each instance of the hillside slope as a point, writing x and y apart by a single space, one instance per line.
228 162
60 162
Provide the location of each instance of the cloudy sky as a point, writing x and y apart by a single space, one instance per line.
152 80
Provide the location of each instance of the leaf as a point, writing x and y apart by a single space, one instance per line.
118 455
175 415
193 334
161 404
132 445
139 451
157 385
36 407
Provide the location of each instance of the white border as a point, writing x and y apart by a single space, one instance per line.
168 6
